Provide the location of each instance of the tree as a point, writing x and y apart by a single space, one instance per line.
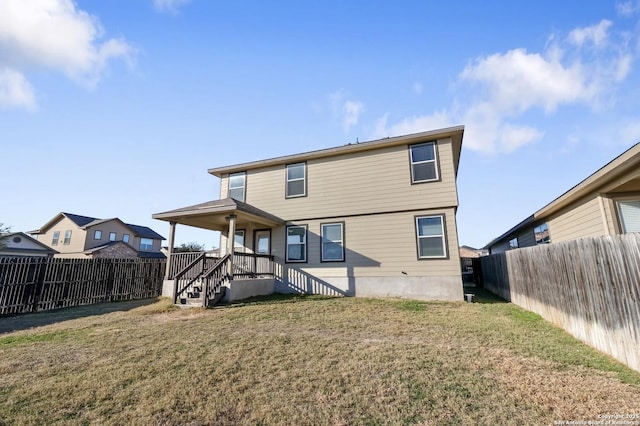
3 230
189 247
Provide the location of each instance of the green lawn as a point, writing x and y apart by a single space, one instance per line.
303 360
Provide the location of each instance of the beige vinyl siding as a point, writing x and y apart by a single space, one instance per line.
354 183
583 219
106 228
375 246
135 243
77 237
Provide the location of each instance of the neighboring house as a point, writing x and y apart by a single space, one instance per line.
605 203
75 236
470 252
19 244
366 219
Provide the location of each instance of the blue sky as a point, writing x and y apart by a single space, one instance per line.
118 108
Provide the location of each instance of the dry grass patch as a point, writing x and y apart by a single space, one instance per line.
307 360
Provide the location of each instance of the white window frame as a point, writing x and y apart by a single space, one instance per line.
67 238
55 238
324 241
144 246
623 225
242 187
303 179
434 161
114 235
97 234
304 244
442 236
237 246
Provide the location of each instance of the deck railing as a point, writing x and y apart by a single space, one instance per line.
179 261
251 265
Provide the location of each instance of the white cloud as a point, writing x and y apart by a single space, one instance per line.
628 8
346 110
169 5
351 114
596 34
494 93
15 90
55 35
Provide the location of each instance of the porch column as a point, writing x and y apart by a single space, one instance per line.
172 235
231 238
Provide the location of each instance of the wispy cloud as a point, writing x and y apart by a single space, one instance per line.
498 90
54 35
348 111
15 91
628 8
170 6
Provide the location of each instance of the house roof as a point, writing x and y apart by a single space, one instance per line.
617 172
86 221
455 133
44 247
212 214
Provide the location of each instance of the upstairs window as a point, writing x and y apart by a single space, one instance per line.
430 236
67 238
296 243
629 212
541 232
237 185
332 242
112 236
513 244
125 238
56 237
97 235
296 180
146 244
424 167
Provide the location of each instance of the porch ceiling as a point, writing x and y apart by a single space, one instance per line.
212 214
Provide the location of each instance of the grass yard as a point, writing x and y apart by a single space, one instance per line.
304 361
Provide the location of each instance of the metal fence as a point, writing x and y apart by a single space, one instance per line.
36 284
590 287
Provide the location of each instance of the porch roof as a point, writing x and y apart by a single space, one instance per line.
212 214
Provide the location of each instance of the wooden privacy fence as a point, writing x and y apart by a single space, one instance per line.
590 287
36 284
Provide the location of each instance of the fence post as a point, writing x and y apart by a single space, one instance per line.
39 283
110 279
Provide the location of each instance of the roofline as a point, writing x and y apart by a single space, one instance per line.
344 149
621 164
33 240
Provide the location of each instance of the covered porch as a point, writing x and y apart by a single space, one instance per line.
204 277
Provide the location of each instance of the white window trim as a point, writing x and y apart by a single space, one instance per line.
115 236
304 244
303 179
67 240
244 185
95 234
341 241
434 161
55 238
150 245
240 248
619 200
442 236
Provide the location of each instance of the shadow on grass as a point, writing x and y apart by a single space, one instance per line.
277 298
38 319
480 295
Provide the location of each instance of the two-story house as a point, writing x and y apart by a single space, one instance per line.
605 203
75 236
374 218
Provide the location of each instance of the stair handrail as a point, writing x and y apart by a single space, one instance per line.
189 266
186 269
206 277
